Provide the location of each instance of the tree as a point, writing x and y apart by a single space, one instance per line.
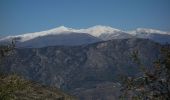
6 49
11 83
154 84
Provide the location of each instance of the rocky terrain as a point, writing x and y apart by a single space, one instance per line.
89 71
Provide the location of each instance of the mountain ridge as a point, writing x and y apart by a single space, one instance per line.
81 36
82 70
94 30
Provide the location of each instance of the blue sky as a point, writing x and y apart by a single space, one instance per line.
23 16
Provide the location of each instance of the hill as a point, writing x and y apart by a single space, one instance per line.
13 87
82 69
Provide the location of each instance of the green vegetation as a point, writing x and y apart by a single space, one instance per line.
6 50
10 85
14 87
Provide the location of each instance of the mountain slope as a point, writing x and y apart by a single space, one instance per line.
70 39
13 87
117 35
77 69
66 36
95 31
155 35
69 36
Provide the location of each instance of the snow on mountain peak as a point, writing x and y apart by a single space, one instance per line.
28 36
147 31
98 30
150 30
60 29
95 31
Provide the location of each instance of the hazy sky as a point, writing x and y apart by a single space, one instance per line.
23 16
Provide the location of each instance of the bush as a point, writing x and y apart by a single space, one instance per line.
154 84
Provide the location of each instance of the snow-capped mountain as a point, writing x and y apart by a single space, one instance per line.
147 31
29 36
99 30
95 31
105 32
68 36
152 34
70 39
65 36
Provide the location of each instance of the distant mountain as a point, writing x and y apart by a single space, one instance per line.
69 36
1 37
95 31
87 71
117 35
70 39
155 35
63 36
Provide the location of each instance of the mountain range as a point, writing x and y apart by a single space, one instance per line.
86 63
71 37
89 72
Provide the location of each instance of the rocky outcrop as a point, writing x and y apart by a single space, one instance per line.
82 70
